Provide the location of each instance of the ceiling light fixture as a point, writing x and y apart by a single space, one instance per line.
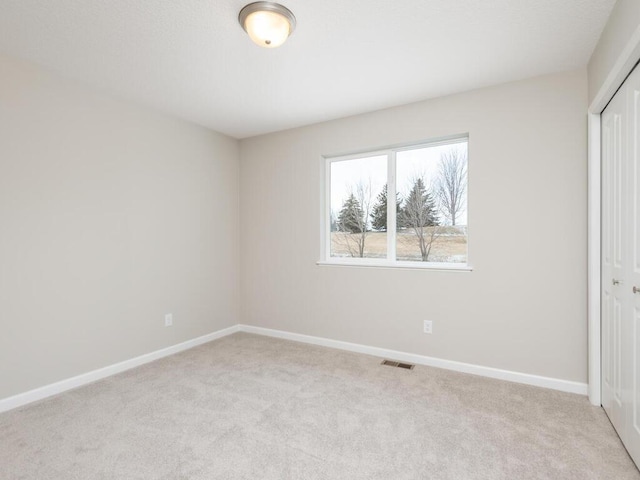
268 24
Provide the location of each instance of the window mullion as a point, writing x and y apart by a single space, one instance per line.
327 209
391 207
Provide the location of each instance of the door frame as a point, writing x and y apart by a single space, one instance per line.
619 72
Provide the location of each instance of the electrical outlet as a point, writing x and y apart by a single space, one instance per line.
168 319
428 326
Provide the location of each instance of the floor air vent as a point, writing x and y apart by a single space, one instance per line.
391 363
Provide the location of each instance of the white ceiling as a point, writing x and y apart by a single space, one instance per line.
191 58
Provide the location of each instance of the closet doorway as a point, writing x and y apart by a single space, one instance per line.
620 262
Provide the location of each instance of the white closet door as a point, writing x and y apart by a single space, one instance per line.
621 263
613 258
632 442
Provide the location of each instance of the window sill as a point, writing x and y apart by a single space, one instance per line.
442 267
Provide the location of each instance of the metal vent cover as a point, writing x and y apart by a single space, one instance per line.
393 363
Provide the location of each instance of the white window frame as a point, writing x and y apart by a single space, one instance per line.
390 261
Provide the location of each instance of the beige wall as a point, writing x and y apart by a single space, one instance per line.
623 22
523 307
110 216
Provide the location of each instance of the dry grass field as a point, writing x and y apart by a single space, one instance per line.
447 247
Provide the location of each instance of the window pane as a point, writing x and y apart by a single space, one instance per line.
356 208
432 191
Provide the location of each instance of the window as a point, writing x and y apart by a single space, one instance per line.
427 227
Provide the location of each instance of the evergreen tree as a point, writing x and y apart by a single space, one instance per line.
334 221
419 208
351 217
418 213
379 214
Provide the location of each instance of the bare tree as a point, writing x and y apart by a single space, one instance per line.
353 222
419 214
451 186
426 237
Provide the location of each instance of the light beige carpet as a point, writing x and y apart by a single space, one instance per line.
250 407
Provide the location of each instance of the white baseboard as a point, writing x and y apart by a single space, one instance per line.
517 377
90 377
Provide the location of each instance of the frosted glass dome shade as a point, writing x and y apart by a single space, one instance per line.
268 24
